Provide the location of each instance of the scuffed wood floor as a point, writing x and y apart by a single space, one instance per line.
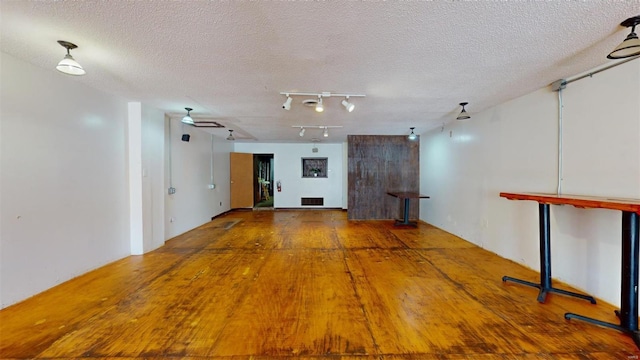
307 284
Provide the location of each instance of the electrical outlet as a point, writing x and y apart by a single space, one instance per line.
172 190
212 186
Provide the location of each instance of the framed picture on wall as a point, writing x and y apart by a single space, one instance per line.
314 167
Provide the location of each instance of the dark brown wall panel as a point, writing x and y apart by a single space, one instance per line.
377 164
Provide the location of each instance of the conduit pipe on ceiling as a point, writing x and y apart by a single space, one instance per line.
560 85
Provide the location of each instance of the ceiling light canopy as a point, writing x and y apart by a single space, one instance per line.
463 114
187 118
631 45
319 104
68 65
230 137
412 136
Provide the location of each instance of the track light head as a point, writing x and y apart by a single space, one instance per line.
319 106
68 65
325 133
348 105
631 45
187 118
463 114
287 104
412 136
230 137
301 132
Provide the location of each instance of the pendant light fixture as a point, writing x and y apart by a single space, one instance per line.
631 45
230 137
463 114
187 118
68 65
412 136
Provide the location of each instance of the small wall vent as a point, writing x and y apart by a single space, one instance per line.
309 201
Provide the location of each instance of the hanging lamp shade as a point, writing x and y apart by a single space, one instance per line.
464 115
69 65
631 45
412 135
187 119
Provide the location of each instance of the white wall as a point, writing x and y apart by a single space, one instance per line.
513 147
152 177
64 191
194 203
288 169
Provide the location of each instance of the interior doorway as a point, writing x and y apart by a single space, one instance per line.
263 181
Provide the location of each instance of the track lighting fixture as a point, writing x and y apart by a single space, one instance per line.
324 128
230 137
463 114
631 45
319 106
317 101
187 118
68 65
412 136
287 104
347 105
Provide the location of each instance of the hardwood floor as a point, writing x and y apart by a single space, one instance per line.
307 284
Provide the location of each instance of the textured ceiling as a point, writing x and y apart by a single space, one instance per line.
229 60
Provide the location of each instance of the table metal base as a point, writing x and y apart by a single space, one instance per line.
545 262
544 290
405 215
628 313
634 334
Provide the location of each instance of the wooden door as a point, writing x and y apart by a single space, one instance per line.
241 180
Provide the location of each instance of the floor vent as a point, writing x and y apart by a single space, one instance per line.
306 201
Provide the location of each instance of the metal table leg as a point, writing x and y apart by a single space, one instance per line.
405 220
545 285
628 313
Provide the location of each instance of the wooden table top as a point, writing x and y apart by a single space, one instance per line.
580 201
407 195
